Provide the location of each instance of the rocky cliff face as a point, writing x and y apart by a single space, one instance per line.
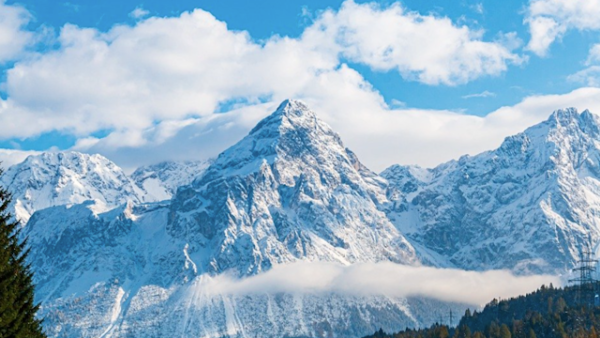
288 192
530 205
110 262
161 180
68 178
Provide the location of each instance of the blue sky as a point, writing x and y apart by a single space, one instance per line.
521 60
263 19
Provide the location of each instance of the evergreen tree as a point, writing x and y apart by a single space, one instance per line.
504 331
17 308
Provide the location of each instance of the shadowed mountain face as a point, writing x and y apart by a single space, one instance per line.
530 205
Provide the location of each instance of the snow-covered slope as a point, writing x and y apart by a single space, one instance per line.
67 178
291 192
530 205
287 192
120 274
161 180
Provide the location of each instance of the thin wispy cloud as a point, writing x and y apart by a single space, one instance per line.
478 8
450 285
483 94
139 13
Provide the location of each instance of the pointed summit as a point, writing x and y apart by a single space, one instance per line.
288 191
564 116
571 120
290 113
293 108
293 131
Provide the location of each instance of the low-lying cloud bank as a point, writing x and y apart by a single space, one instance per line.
380 279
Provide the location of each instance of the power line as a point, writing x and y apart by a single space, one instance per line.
585 282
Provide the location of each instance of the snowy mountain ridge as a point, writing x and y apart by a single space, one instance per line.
288 192
67 178
531 205
291 192
161 180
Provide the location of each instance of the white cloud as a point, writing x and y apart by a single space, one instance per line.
478 8
156 86
426 48
451 285
152 83
138 13
589 76
159 70
483 94
594 55
379 135
13 35
549 20
397 103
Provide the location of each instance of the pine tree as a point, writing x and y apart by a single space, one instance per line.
504 331
17 307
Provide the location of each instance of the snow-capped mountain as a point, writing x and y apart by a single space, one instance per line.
120 274
67 178
531 205
161 180
289 191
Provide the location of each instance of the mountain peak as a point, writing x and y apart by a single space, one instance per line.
586 121
292 131
564 116
289 114
66 178
293 107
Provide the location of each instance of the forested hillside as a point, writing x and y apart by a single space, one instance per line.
546 313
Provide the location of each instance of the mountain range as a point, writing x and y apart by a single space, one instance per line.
118 256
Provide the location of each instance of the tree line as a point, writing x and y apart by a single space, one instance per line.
548 312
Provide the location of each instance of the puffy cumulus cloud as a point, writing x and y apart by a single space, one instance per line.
160 69
13 35
190 139
550 19
426 48
429 137
155 86
132 77
364 279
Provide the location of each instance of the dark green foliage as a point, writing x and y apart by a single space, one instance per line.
547 313
17 308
